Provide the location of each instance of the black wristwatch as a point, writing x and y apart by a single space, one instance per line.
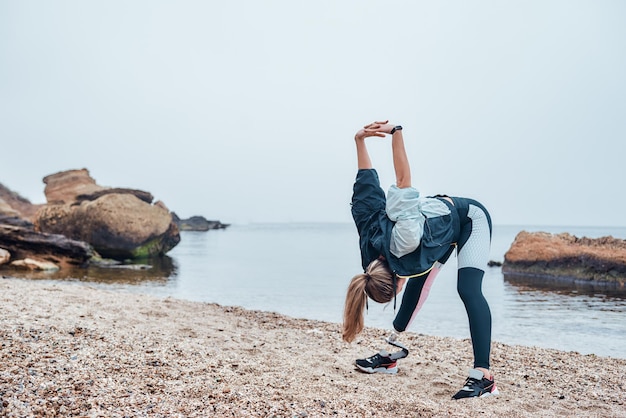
396 128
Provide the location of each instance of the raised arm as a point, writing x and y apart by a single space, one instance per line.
400 160
363 158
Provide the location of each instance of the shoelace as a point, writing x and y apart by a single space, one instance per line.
469 382
376 357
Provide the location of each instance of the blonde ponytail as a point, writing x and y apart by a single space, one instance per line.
353 310
377 283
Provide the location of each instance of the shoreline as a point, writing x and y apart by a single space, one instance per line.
78 350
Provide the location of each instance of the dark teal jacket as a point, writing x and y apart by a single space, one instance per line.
368 211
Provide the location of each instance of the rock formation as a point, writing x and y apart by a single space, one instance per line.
10 216
118 223
83 222
23 247
197 223
16 206
565 256
22 243
66 186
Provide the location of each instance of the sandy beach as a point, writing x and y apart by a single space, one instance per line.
79 350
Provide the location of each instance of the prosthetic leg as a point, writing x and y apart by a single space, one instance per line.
383 361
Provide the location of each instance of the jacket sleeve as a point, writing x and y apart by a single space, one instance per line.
368 210
368 198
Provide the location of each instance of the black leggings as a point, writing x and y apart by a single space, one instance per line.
472 256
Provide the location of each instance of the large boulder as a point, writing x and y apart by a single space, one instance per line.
564 256
118 223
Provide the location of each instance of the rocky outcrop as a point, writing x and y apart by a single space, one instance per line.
118 223
66 186
6 209
197 223
565 256
26 243
77 186
10 216
14 206
23 247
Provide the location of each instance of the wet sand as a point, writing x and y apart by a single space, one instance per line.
80 350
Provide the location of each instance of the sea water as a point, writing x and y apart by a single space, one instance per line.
303 270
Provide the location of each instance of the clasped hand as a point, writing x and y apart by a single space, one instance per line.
374 129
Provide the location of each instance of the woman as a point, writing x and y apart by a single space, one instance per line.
406 239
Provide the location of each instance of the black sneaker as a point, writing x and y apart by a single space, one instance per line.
378 363
477 386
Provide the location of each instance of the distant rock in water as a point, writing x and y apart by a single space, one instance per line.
564 256
118 223
197 223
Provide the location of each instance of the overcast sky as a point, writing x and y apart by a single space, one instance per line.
245 111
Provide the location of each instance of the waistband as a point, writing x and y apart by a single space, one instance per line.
463 204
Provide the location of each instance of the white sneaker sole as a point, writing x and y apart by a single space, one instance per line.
494 392
384 370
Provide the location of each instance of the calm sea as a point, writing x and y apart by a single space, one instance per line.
302 270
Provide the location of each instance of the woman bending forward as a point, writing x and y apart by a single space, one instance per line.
405 239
